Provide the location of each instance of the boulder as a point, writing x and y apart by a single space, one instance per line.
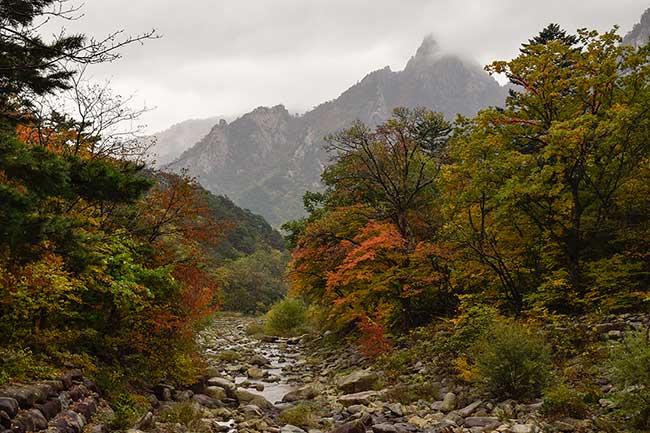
9 406
291 429
50 408
523 428
384 428
448 402
227 385
255 373
206 401
357 381
481 421
259 360
469 409
69 422
350 427
357 398
307 392
216 392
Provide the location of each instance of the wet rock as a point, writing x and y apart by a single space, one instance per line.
259 360
448 402
357 398
357 381
9 406
307 392
255 373
291 429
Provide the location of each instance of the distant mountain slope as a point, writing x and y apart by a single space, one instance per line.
640 33
171 142
268 158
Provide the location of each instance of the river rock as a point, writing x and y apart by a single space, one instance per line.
207 401
259 360
469 409
384 428
448 402
523 428
9 405
227 385
350 427
357 398
216 392
255 373
357 381
481 421
291 429
307 392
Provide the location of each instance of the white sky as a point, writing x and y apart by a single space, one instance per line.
226 57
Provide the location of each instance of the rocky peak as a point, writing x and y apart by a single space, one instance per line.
427 54
640 34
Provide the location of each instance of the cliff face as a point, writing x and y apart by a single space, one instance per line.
268 158
640 34
167 145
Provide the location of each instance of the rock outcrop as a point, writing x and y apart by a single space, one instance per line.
268 158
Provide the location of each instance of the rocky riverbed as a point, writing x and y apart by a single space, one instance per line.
260 383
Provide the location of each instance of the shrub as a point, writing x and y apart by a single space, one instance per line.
287 317
186 414
20 365
630 373
511 361
305 415
562 401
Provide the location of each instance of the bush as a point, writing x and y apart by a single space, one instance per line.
20 365
511 361
630 374
186 414
562 401
286 318
305 415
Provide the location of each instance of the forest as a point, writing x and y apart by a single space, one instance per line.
471 245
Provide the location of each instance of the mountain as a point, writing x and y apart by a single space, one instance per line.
266 159
167 145
640 33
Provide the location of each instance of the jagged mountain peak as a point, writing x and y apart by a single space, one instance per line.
640 33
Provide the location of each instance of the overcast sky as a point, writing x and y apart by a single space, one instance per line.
226 57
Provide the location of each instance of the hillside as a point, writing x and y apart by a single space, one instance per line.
268 158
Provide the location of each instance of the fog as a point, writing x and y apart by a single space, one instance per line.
226 57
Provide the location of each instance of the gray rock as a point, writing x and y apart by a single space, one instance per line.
206 401
145 422
251 410
223 383
445 426
50 408
357 398
9 405
216 392
384 428
350 427
448 402
523 428
395 408
69 422
255 373
259 360
291 429
357 381
481 421
469 409
307 392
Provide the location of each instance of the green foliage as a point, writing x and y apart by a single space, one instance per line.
287 317
305 414
512 361
21 365
251 284
187 414
409 393
561 401
128 409
630 373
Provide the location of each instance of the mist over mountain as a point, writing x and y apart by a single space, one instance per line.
266 159
640 33
167 145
